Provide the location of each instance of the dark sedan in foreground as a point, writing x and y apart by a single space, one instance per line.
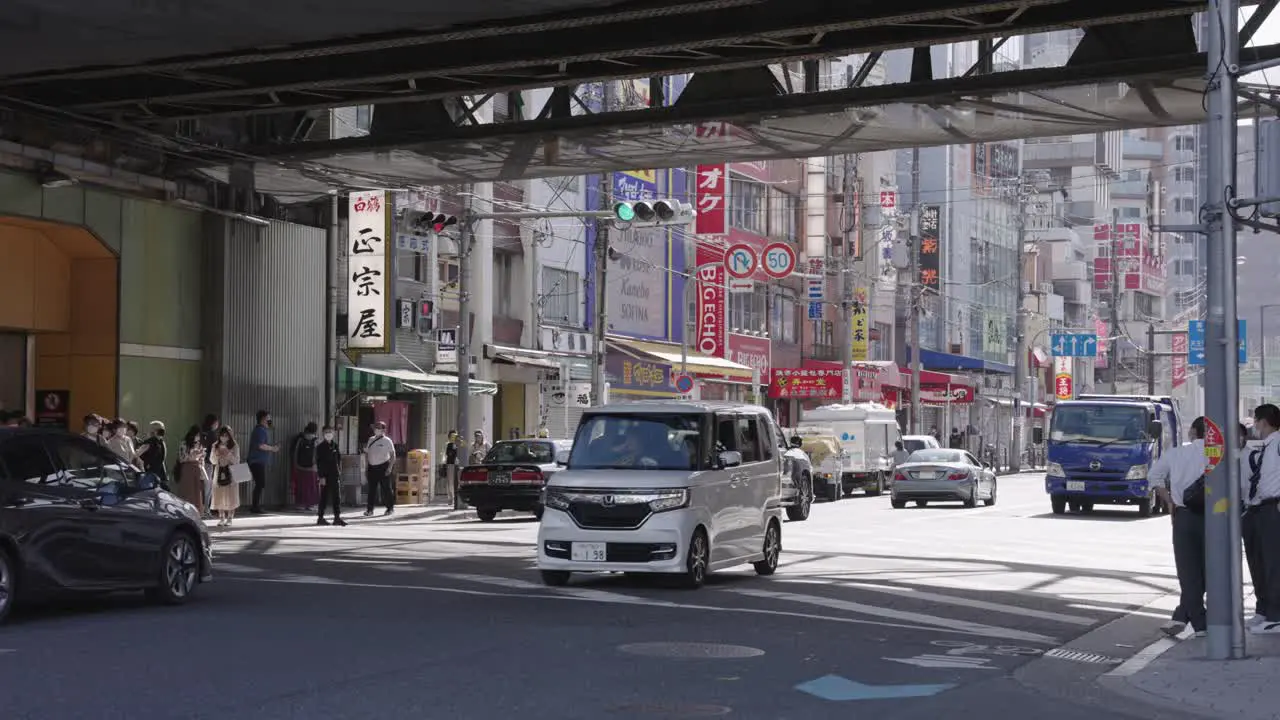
512 476
75 519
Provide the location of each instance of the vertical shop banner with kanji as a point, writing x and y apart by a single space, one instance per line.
709 200
858 321
1179 348
1063 383
711 300
369 270
887 235
930 259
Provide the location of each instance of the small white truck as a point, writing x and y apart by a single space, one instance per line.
866 433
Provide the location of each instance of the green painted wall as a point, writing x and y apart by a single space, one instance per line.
165 390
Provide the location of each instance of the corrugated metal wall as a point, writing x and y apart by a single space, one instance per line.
264 325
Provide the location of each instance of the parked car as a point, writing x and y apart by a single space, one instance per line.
75 519
945 475
681 488
512 476
919 442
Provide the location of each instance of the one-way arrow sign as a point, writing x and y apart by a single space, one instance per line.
836 688
944 661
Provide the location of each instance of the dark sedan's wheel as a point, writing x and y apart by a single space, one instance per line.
487 514
179 571
772 550
8 583
804 500
696 561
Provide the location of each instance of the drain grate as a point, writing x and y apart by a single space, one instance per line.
1082 657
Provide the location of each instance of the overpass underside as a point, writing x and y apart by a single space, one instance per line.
726 80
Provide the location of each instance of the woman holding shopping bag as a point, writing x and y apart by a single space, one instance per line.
226 491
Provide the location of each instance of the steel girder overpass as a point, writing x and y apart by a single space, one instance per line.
257 108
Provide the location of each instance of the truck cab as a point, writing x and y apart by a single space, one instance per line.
1101 449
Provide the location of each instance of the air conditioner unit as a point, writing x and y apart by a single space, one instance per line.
1046 288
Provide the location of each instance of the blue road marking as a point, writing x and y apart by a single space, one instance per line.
839 689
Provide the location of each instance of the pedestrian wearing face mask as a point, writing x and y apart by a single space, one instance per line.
380 458
306 482
92 429
226 491
118 442
329 466
260 452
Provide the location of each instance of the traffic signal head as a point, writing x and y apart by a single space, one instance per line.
426 316
424 223
653 212
624 212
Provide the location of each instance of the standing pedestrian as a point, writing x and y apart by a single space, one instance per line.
260 452
1263 502
1178 477
208 439
479 448
451 466
329 466
226 492
191 470
306 484
92 429
380 458
153 453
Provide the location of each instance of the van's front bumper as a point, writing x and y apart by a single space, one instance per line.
660 545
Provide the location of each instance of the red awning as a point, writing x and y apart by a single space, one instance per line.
869 376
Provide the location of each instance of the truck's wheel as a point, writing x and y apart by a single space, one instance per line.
878 488
1059 505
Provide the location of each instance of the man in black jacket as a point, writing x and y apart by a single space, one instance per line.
329 466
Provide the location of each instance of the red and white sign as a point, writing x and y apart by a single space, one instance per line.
1063 385
778 260
709 197
1179 346
805 383
750 350
741 261
888 199
940 394
1214 443
709 309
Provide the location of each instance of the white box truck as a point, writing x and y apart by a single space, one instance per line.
866 433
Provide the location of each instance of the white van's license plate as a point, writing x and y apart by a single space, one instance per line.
588 552
1076 486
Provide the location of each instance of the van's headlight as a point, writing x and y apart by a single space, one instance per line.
1137 472
664 500
555 499
1054 469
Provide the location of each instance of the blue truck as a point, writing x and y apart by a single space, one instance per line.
1101 449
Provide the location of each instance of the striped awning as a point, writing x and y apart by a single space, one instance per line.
381 382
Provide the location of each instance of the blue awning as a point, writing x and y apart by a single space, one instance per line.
934 360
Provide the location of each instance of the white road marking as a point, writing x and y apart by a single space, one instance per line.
362 561
584 593
930 628
1143 658
966 602
234 567
835 604
944 661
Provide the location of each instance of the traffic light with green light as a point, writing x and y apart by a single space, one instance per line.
652 213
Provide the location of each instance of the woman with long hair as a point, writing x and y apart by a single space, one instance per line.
191 475
226 492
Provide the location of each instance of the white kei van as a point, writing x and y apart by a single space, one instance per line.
867 433
681 488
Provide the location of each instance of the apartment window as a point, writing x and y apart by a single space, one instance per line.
1184 173
504 284
826 333
1186 267
1132 175
1184 142
785 325
560 296
747 310
448 273
880 349
1184 204
1130 213
783 208
747 205
1144 305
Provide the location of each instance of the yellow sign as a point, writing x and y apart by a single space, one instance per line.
648 176
858 321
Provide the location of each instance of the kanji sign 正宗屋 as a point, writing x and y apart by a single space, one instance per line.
858 331
929 256
369 309
709 199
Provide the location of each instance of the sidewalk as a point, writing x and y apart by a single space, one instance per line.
1174 674
289 519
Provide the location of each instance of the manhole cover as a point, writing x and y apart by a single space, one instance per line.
675 711
706 651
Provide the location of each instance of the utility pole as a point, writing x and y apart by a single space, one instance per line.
915 289
1113 360
600 324
1020 331
465 233
850 215
1222 536
1151 359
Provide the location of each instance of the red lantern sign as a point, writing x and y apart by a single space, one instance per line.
1214 443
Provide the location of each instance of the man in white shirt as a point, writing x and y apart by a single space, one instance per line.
1173 475
1261 494
380 458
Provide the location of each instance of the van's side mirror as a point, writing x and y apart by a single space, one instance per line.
797 443
1155 429
562 458
730 458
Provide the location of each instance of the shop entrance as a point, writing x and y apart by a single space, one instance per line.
13 373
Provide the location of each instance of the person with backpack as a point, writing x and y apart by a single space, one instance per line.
304 473
1178 477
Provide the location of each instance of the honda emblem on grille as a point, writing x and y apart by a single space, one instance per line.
607 501
1095 466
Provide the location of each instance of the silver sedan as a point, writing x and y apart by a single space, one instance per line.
944 475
